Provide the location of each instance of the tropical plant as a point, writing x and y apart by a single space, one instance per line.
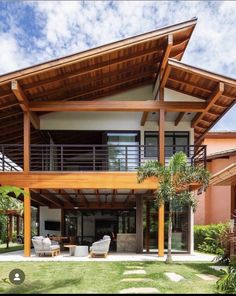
173 185
227 284
8 201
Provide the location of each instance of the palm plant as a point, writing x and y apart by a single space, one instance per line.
173 185
9 201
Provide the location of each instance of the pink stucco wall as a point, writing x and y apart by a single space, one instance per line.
215 204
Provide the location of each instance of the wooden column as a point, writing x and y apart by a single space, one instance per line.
27 223
139 223
161 212
147 226
26 142
10 228
17 225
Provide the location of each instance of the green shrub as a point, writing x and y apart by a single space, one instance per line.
211 238
227 284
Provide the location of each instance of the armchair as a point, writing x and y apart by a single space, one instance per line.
101 247
45 246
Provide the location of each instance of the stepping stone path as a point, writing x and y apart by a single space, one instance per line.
137 280
219 268
174 277
134 267
140 291
137 271
207 277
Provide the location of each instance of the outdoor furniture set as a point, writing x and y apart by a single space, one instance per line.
45 246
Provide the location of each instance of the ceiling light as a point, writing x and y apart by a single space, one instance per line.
76 208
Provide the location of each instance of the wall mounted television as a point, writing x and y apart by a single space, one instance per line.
52 225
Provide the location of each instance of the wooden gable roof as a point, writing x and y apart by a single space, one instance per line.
217 90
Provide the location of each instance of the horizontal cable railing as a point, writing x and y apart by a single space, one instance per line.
92 157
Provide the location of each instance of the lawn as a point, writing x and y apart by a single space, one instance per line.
12 247
103 277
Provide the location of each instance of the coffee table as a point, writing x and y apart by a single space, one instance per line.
71 249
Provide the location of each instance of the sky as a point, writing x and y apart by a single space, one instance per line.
32 32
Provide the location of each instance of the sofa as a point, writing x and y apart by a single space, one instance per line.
101 247
44 246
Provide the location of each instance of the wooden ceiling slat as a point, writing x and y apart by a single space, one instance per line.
134 72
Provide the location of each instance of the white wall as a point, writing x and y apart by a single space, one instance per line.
172 95
46 214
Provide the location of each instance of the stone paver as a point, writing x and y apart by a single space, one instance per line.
207 277
136 280
140 291
218 268
174 277
137 271
134 267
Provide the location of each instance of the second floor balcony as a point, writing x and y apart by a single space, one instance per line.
77 158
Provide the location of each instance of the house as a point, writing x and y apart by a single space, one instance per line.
218 203
74 131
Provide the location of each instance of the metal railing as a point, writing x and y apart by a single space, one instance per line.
92 157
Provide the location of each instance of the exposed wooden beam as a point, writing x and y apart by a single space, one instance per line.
68 200
179 118
8 105
213 98
163 64
87 88
39 199
201 72
144 118
163 80
189 84
52 198
130 194
24 103
97 195
81 194
128 106
86 70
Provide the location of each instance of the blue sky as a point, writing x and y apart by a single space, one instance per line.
36 31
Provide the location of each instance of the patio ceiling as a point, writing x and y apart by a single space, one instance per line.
88 198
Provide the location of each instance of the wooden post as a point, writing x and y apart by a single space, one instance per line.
147 226
139 223
161 212
10 228
17 225
26 142
27 223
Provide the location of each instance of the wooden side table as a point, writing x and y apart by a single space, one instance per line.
71 249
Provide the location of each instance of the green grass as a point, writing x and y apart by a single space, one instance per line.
12 247
103 277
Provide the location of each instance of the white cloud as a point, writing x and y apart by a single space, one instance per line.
66 27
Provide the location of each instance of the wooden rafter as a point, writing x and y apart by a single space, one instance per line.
128 106
179 118
68 200
130 194
213 98
161 70
51 198
83 197
189 84
97 195
87 88
144 118
24 103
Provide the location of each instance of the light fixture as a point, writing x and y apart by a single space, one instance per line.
153 113
189 113
76 208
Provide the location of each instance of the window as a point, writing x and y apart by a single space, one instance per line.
174 142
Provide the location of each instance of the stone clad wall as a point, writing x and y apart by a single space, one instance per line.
126 242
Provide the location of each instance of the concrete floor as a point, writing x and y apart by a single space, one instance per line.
19 256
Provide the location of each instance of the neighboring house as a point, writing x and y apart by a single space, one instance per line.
75 130
219 202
